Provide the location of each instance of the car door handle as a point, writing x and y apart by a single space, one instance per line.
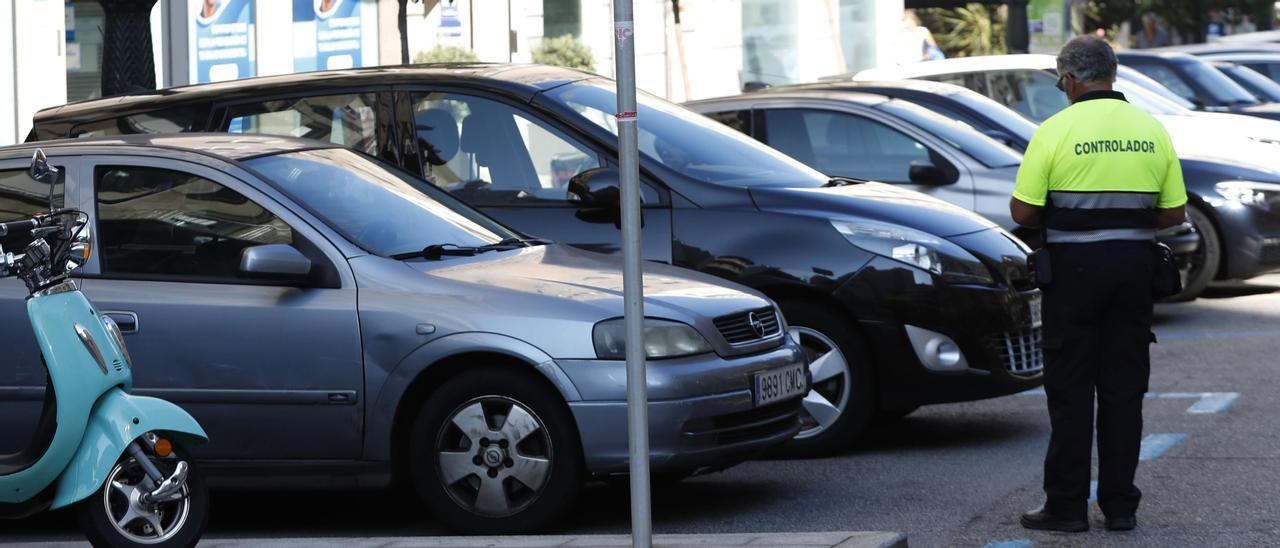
125 320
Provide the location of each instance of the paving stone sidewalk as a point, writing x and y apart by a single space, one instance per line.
755 540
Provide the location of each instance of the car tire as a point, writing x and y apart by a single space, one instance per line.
478 480
843 398
98 513
1209 260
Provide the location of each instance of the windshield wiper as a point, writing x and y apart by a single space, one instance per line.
844 181
435 252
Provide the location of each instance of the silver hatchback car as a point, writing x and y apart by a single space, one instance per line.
333 322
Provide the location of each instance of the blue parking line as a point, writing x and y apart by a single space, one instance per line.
1212 402
1093 491
1020 543
1155 445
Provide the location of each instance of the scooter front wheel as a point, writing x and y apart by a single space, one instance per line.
118 515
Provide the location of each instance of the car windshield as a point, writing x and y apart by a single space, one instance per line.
1149 102
692 145
1156 88
1263 88
1219 87
1004 117
381 210
964 138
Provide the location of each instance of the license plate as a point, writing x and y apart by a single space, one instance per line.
1034 305
780 384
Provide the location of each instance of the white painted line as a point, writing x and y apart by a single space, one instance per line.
1155 445
1208 402
1213 402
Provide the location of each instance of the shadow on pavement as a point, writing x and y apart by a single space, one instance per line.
1227 290
943 433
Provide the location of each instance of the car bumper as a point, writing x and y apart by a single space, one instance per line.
1250 238
991 326
702 415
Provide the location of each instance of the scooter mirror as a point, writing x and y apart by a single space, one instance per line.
40 169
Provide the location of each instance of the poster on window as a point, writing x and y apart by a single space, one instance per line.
1047 25
327 34
223 32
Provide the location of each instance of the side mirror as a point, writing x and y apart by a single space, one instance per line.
41 171
928 174
278 261
596 188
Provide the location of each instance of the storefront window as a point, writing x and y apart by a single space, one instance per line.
85 21
561 17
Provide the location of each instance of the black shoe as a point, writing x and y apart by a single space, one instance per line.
1122 523
1044 521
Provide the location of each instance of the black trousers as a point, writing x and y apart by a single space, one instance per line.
1097 335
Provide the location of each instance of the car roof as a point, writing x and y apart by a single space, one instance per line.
1243 57
224 146
824 91
1222 48
524 80
980 63
1152 54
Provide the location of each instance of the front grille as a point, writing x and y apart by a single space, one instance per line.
1020 351
740 328
754 424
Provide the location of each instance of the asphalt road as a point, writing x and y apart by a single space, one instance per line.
953 475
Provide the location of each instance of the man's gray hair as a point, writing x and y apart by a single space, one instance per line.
1089 58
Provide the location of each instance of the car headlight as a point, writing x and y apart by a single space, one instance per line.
916 248
662 339
1250 193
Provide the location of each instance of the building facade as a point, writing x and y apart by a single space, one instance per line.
717 46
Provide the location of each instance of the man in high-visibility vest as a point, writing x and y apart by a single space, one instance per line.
1101 177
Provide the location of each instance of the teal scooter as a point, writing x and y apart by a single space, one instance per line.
120 458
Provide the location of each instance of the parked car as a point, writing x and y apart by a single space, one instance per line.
1220 154
334 322
900 300
1261 87
1265 63
1195 80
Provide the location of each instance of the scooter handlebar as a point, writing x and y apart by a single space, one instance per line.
19 226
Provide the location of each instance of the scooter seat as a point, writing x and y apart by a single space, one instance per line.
13 463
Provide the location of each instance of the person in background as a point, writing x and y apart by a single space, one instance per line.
915 42
1152 35
1245 25
1215 27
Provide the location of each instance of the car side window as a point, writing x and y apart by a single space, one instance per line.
21 197
841 144
737 119
348 120
1168 78
491 154
163 223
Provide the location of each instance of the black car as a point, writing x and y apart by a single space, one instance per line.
900 299
1195 80
1236 231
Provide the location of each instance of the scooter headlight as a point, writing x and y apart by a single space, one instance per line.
118 337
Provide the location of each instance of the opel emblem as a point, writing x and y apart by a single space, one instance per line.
757 325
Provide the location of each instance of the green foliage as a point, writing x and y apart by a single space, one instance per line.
446 54
565 51
970 30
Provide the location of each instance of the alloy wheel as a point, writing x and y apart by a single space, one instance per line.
828 399
494 456
136 521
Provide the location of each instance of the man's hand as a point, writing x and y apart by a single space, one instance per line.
1170 217
1025 214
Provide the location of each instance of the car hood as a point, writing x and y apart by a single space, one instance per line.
1229 138
563 281
873 201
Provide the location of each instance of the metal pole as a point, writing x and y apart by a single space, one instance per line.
632 284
